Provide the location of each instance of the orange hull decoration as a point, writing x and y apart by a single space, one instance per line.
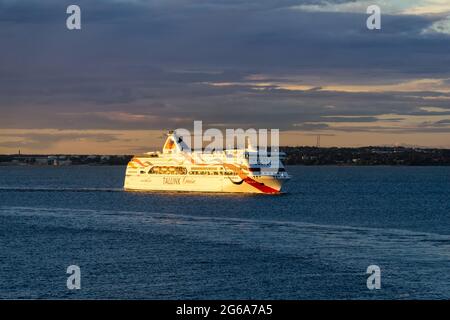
255 184
146 164
260 186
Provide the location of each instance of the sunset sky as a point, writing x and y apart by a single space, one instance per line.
140 67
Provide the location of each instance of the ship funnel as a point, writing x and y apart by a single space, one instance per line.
174 143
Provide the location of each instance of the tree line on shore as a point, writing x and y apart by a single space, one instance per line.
294 156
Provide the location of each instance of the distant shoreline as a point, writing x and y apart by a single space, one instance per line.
361 156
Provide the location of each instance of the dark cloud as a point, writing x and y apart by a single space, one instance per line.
150 64
353 119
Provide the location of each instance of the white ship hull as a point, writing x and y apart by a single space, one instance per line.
266 184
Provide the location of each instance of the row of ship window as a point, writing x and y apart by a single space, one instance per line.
183 171
204 171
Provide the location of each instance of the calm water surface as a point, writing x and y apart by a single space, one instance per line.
313 242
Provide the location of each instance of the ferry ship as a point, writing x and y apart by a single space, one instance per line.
176 169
